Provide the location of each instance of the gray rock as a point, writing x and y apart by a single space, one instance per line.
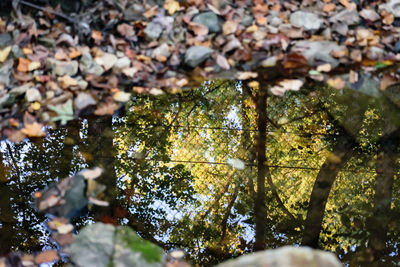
62 68
5 72
210 20
83 100
88 66
285 257
393 6
19 90
196 55
33 94
5 40
153 31
122 63
317 51
307 20
346 16
16 51
162 50
247 20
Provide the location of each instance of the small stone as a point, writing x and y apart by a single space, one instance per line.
5 40
162 50
307 20
33 94
247 20
61 68
286 256
88 66
392 6
107 61
196 55
210 20
21 89
83 100
153 31
348 17
122 63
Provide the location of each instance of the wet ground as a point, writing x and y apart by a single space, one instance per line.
226 169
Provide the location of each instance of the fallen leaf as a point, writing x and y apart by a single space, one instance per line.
65 228
4 53
387 80
98 202
91 173
246 75
324 68
23 64
337 83
106 109
198 29
229 27
122 96
328 8
151 12
171 6
222 62
67 81
33 130
47 256
97 37
34 65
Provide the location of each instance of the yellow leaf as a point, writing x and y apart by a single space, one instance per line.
34 65
4 53
35 105
172 6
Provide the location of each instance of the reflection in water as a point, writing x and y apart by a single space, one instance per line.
316 169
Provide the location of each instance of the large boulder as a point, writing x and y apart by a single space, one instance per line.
286 257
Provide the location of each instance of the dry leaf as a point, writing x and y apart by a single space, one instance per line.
34 65
4 53
172 6
246 75
353 76
122 96
337 83
91 173
230 27
66 81
329 7
106 109
47 256
23 64
151 12
387 80
324 68
65 228
222 62
33 130
198 28
97 37
291 84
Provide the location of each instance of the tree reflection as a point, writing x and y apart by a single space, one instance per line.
320 169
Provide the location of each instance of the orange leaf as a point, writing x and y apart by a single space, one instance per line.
198 28
33 130
23 64
97 37
172 6
47 256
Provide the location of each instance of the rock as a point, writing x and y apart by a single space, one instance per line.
61 68
5 40
162 50
5 72
153 31
317 51
346 16
369 14
247 20
287 257
33 94
307 20
88 66
196 55
210 20
122 63
16 51
397 47
393 6
83 100
21 89
107 61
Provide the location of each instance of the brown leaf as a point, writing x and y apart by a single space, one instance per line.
223 62
47 256
151 12
97 37
230 27
23 64
198 28
33 130
387 80
246 75
171 6
328 8
106 109
337 83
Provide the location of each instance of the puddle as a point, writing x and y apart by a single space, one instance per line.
189 171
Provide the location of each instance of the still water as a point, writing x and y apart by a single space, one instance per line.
226 169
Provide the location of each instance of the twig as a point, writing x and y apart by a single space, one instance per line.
45 9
